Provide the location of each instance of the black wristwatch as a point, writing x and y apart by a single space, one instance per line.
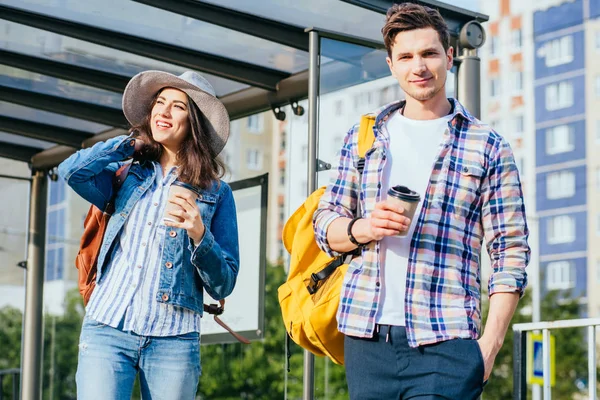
351 236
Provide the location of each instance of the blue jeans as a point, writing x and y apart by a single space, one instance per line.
385 367
110 359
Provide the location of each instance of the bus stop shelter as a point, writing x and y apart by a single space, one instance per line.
259 55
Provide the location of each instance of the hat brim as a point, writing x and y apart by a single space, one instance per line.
141 89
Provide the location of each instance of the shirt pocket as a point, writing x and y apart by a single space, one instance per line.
207 204
459 188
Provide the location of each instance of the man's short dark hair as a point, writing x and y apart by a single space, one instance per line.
409 16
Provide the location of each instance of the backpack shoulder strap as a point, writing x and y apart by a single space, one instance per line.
366 137
120 175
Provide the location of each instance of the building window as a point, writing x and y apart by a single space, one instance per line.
516 39
254 159
560 185
517 81
597 86
57 192
559 51
561 229
560 139
597 40
598 131
598 270
494 45
561 275
495 87
559 95
282 143
598 224
519 126
255 123
55 263
598 178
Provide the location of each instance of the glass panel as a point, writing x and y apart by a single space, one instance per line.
24 141
357 83
40 43
13 250
248 152
333 15
34 115
163 26
31 81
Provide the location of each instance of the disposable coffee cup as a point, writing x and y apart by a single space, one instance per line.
177 187
408 199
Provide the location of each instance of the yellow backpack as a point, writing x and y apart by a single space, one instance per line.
310 296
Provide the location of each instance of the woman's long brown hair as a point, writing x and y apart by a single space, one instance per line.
198 164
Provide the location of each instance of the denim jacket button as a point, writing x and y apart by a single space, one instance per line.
172 233
169 265
165 297
465 169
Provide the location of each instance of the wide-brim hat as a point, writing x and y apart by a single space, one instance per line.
143 87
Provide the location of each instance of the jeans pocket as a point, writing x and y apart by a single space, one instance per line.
481 361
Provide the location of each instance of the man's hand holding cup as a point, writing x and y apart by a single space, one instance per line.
392 216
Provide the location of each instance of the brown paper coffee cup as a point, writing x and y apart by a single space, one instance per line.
177 187
408 199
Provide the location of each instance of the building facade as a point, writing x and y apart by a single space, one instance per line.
541 88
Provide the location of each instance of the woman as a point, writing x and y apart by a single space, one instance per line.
144 314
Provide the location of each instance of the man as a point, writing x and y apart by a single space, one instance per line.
410 306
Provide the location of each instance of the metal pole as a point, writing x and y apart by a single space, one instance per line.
469 81
534 265
546 359
592 362
33 327
519 365
15 385
313 131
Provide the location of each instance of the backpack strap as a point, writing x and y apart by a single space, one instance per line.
366 138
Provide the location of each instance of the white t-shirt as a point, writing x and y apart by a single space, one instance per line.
414 145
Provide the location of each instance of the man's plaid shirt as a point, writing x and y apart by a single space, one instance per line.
474 193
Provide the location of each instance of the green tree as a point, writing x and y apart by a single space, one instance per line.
257 371
61 339
570 348
10 344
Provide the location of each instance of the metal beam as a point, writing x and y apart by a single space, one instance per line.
73 108
274 31
455 16
50 133
17 152
62 70
239 71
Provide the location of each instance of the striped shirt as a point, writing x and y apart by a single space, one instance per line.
127 292
474 193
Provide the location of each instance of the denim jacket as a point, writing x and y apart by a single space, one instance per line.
212 265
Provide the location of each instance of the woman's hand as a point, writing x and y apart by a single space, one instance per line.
188 214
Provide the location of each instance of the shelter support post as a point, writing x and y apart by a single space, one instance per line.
33 328
469 81
313 131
